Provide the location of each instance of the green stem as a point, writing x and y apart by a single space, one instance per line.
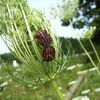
94 50
10 16
89 56
55 86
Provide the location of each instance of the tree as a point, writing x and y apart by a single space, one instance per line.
76 46
8 57
87 13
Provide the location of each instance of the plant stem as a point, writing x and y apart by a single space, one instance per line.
89 56
94 50
55 86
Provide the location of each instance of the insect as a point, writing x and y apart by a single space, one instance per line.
48 53
43 38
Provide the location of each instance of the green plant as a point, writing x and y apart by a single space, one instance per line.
88 34
18 26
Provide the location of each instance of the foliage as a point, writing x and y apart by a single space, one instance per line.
76 46
86 14
19 25
14 90
88 33
8 58
66 8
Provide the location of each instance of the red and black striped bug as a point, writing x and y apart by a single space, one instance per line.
48 53
45 40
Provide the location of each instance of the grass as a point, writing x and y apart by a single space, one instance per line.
16 91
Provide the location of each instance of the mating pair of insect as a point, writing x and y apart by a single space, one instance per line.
45 40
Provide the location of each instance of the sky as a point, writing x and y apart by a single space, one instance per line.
45 6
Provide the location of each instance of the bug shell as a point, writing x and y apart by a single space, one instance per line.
43 38
48 53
